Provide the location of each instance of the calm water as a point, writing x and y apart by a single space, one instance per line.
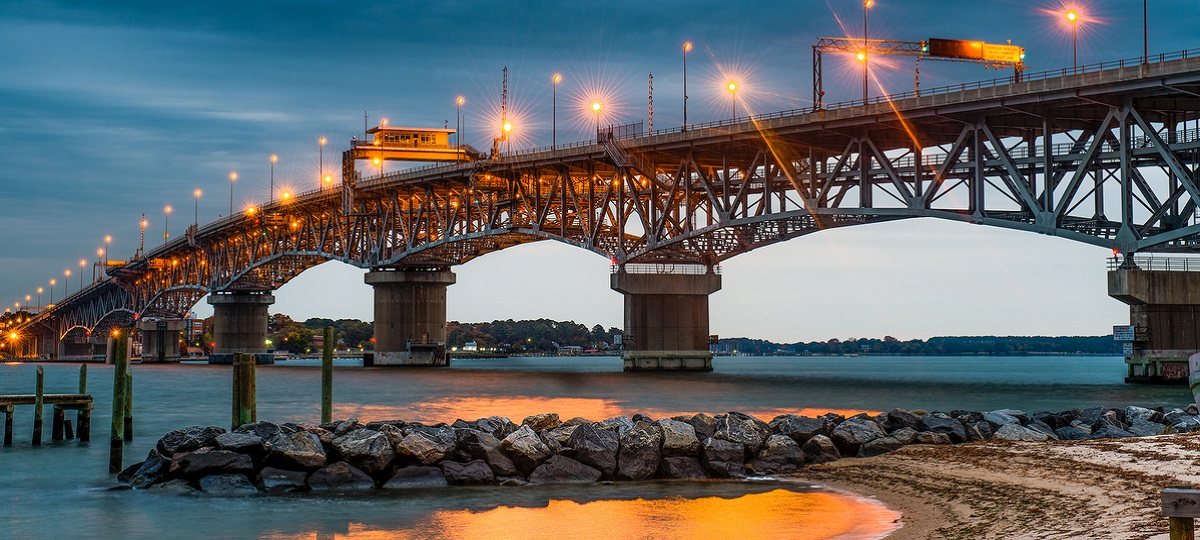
57 490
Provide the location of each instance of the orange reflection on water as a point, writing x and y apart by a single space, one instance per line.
518 407
775 514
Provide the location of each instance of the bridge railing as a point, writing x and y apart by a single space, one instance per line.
1157 263
666 268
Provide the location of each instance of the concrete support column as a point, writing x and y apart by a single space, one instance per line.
1164 309
160 339
240 326
410 317
666 320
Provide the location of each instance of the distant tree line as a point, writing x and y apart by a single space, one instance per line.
984 345
540 335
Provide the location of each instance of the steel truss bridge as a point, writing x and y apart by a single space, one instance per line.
1107 156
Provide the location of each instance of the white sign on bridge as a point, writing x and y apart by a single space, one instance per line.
1123 332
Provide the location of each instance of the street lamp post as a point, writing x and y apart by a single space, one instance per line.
166 217
196 218
866 70
107 247
101 255
321 156
458 103
557 78
53 282
274 159
596 107
732 87
687 46
232 179
1145 33
39 298
1073 18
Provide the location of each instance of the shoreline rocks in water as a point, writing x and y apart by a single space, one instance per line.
346 456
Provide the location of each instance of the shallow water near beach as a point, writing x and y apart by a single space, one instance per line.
57 490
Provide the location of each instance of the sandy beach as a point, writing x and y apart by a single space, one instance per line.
1024 490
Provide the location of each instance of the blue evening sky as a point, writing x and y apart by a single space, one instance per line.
112 109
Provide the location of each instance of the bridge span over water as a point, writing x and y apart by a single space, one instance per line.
1107 155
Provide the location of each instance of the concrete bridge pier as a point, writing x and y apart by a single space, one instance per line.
666 320
160 339
1164 309
240 326
410 316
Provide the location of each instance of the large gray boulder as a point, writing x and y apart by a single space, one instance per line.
596 448
617 424
300 450
1145 428
203 463
929 437
905 435
1107 431
779 454
978 431
1133 413
563 470
747 430
938 423
245 443
340 476
851 434
640 452
475 472
542 422
275 480
526 449
483 446
262 430
416 477
150 472
800 428
368 450
560 436
1072 433
421 448
820 449
705 425
496 426
227 485
678 438
1043 428
681 467
900 418
1017 432
724 459
188 439
999 418
880 446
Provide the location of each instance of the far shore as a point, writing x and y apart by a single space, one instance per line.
1023 490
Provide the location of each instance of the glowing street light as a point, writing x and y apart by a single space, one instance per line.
54 282
232 180
378 165
286 196
687 47
196 194
596 108
274 160
107 247
328 180
1073 17
39 297
554 80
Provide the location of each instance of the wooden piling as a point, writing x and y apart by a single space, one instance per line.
37 406
244 404
56 424
8 427
117 436
70 433
83 417
327 377
129 405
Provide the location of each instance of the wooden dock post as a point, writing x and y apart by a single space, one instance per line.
8 421
83 418
129 405
1181 507
327 377
37 406
56 424
116 438
244 405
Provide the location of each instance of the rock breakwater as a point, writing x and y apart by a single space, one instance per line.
349 456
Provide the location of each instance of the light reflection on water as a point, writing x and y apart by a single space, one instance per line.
779 513
56 490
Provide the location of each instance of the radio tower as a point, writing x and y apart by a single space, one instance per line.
141 234
650 105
